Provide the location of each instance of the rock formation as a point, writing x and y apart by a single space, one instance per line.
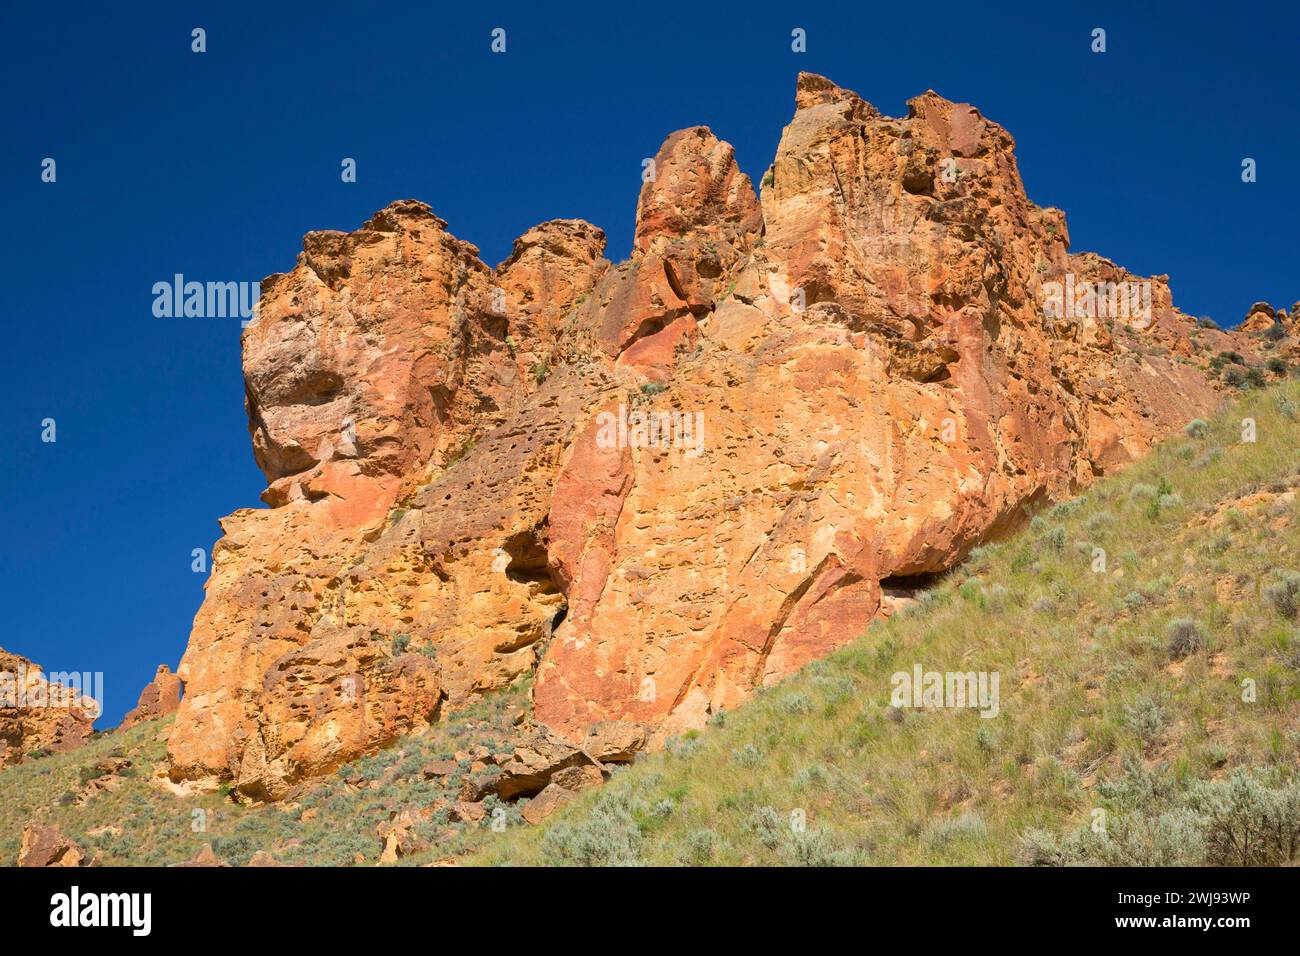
659 484
160 697
204 859
108 778
37 715
43 846
1260 317
398 838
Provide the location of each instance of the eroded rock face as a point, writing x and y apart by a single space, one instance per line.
390 573
37 715
340 694
883 389
160 697
859 377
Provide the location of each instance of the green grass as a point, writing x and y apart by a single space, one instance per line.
158 827
1159 696
1121 697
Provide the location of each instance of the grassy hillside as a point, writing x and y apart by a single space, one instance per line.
333 822
1147 710
1146 714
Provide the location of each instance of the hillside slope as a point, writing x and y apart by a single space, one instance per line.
1146 711
111 797
1118 690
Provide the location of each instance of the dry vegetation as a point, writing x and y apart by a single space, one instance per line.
1161 692
1147 715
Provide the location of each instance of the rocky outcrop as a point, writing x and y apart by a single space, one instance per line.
615 741
204 859
404 410
537 761
885 387
563 787
1261 316
43 846
398 838
660 484
38 716
160 697
109 777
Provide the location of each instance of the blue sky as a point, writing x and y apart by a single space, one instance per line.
215 164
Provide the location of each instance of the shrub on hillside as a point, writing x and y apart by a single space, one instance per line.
1064 509
1041 848
813 848
700 846
1044 605
1142 492
1053 538
1145 717
609 836
1099 522
968 826
1185 638
1284 594
1248 823
683 747
1250 819
796 704
768 826
814 776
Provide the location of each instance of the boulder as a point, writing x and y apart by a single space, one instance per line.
398 837
615 741
439 768
535 761
563 787
552 798
204 858
263 859
464 811
43 846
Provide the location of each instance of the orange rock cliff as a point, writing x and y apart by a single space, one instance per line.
660 484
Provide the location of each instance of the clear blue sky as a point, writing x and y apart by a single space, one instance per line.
214 165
